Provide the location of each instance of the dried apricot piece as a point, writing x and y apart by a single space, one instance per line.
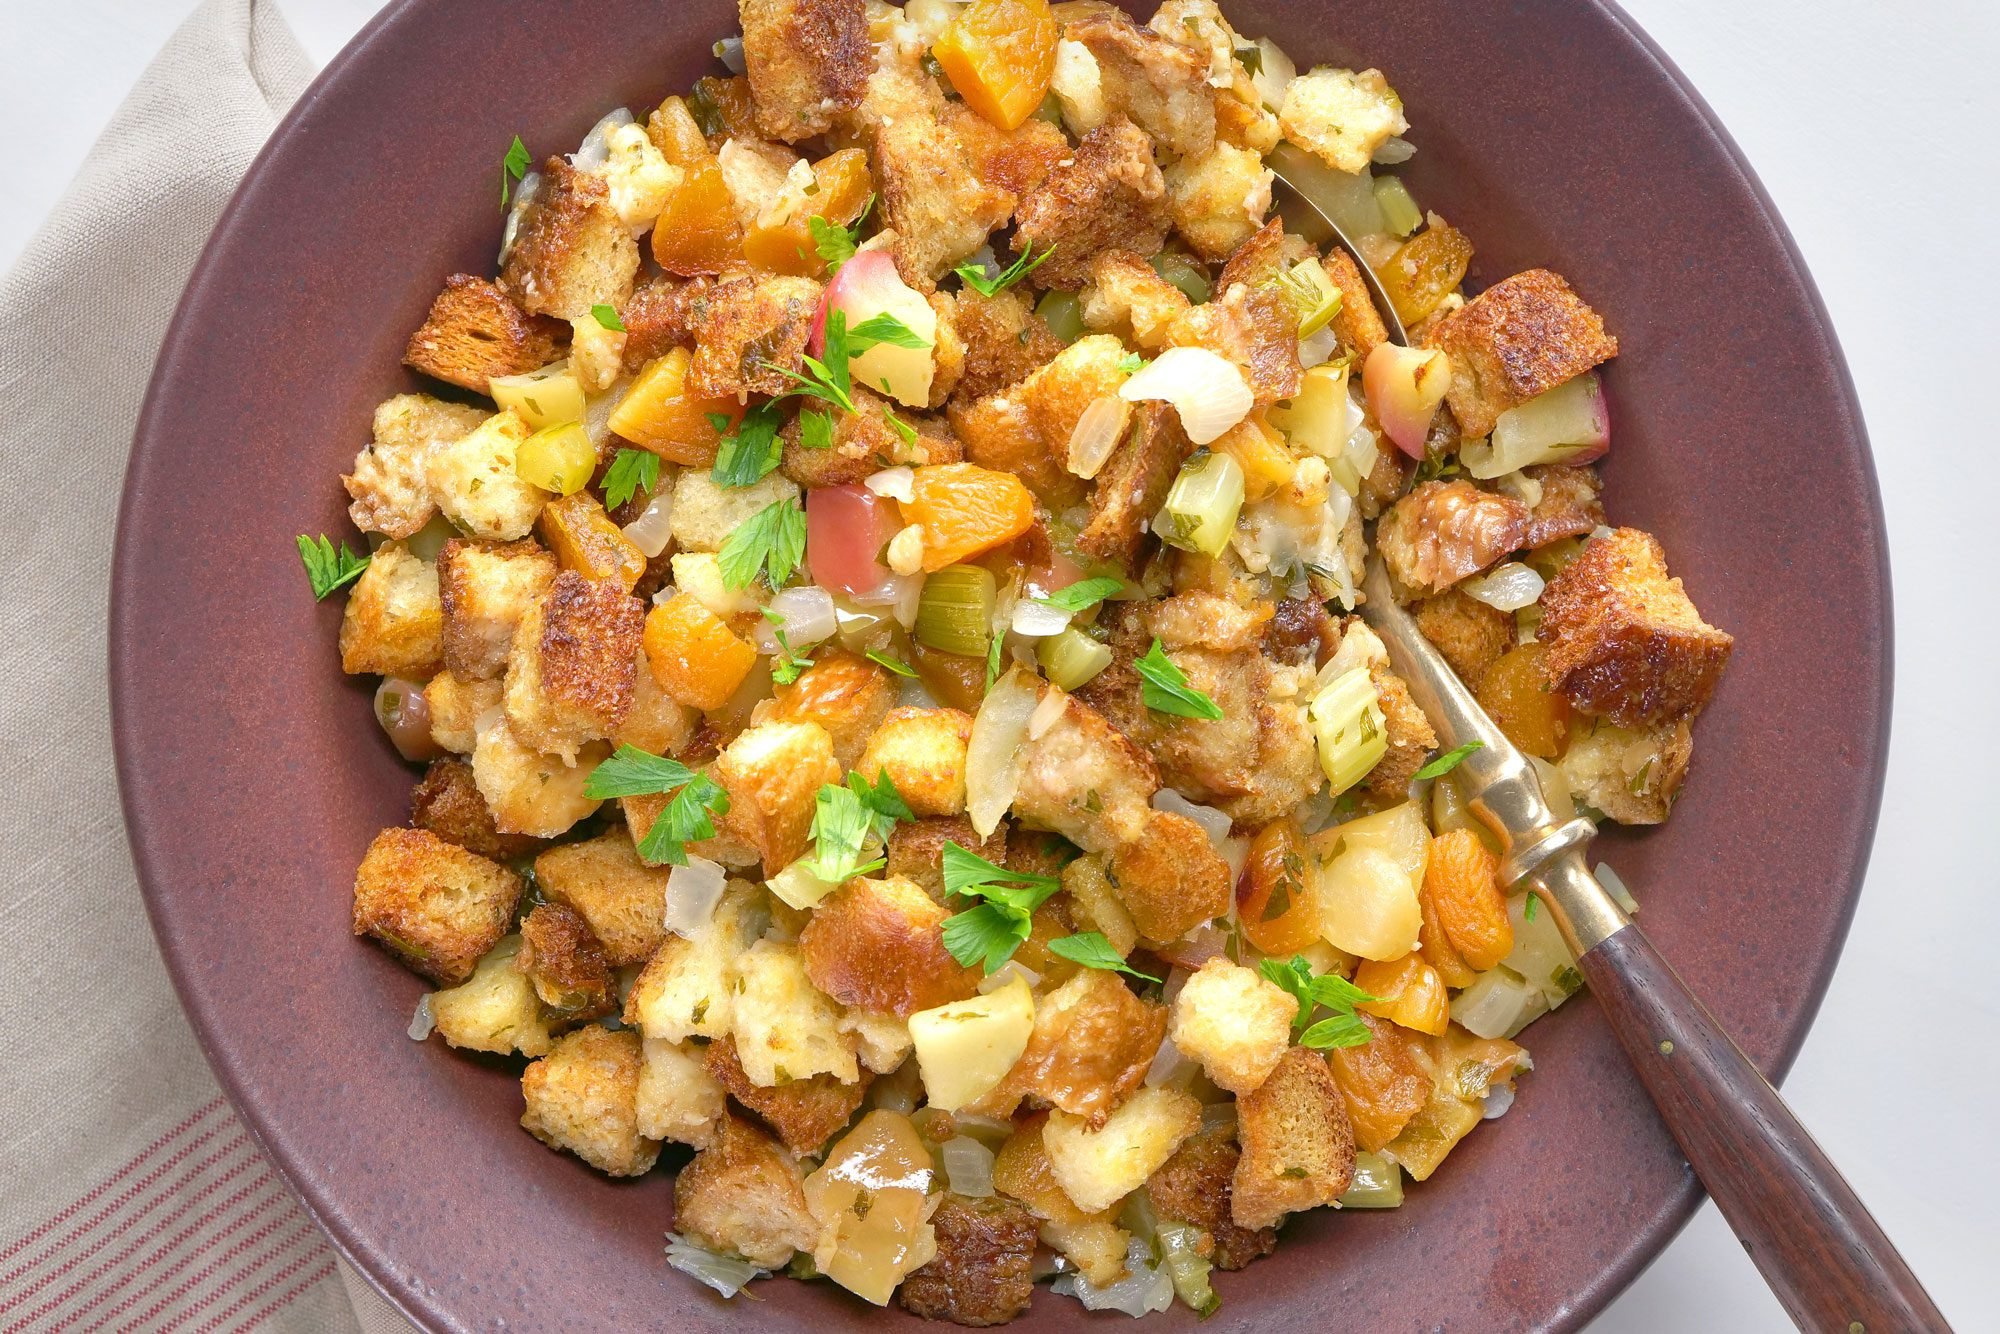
1382 1081
1425 269
841 186
999 54
1514 690
658 413
1274 903
1435 945
1462 887
697 231
964 509
1409 992
694 655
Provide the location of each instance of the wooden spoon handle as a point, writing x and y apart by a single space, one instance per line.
1815 1243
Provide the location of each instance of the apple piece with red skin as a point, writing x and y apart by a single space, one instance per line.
867 286
1570 423
1404 386
846 529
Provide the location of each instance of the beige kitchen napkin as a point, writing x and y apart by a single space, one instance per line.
130 1195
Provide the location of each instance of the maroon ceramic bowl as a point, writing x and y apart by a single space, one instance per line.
253 776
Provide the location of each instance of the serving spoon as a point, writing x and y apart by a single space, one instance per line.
1826 1259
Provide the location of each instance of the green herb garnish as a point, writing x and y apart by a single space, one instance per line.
1344 1028
633 471
607 317
990 932
975 275
1082 595
773 540
512 168
327 567
631 772
749 455
1092 950
1164 688
1448 761
884 660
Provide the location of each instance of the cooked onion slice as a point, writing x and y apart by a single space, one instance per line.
652 530
997 751
693 891
1208 391
1097 433
1507 587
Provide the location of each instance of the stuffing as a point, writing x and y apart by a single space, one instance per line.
845 695
657 723
432 903
685 990
583 1097
1092 1042
1128 298
1098 1167
642 811
754 329
921 751
678 1099
1170 879
807 60
1160 85
706 512
1234 1022
1565 503
1078 85
1014 161
494 1010
475 331
1257 329
570 676
879 945
947 365
1218 201
785 1027
1110 196
1025 430
561 956
1021 1171
916 851
596 354
983 1271
1411 739
864 442
473 480
658 319
803 1113
1623 639
638 180
393 624
390 485
743 1195
447 803
1357 325
623 899
1632 774
1133 484
773 773
1443 532
1470 634
1085 781
456 705
571 251
1193 1187
1298 1152
1521 337
1383 1082
1005 342
1342 117
882 1041
485 589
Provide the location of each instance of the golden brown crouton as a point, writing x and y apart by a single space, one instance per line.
1086 781
1005 341
1410 736
448 804
1470 634
743 1195
844 694
773 772
1632 774
921 751
1127 298
706 512
562 957
1219 200
393 624
1256 328
982 1274
435 905
1521 337
1110 196
1026 429
879 945
572 251
456 706
1569 504
583 1097
657 723
494 1010
1160 85
1092 1043
1015 160
623 899
1443 532
658 317
1298 1152
1194 1188
475 331
678 1099
390 484
1171 878
1341 117
571 673
1099 1163
1133 484
1357 324
475 483
1623 639
805 1113
916 851
529 792
865 442
754 329
1021 1171
1234 1022
485 588
806 60
785 1027
685 989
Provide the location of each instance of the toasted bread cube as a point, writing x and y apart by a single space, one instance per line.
916 851
393 623
756 174
1110 196
473 480
807 61
560 955
1410 736
1099 1167
785 1027
983 1271
921 751
1092 1043
456 705
637 178
879 945
1471 635
657 723
572 251
475 331
1298 1152
486 588
773 773
1021 1171
1632 774
933 198
1171 878
1194 1188
493 1010
1128 299
529 792
390 484
706 513
572 671
1005 341
1623 639
435 905
642 812
1085 781
1159 83
623 899
448 804
583 1097
1443 532
804 1113
1567 503
1234 1022
1342 117
743 1195
1219 201
678 1099
866 440
583 538
1133 484
882 1041
755 329
846 695
1521 337
1357 325
685 990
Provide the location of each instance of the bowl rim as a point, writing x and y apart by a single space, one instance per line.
146 835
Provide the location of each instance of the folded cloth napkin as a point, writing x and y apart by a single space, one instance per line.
133 1198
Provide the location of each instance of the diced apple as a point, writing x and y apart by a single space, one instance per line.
869 1200
1404 386
868 286
1567 424
1370 871
966 1048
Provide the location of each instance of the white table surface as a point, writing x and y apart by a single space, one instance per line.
1872 126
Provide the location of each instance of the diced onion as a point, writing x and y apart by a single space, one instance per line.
806 614
1006 973
693 891
1038 620
1097 434
1146 1287
798 886
895 483
1208 391
421 1023
1046 714
1498 1099
996 753
968 1167
1498 1004
595 150
1616 886
1507 587
524 192
1170 1067
902 594
730 52
727 1274
1275 74
1317 348
652 530
1394 151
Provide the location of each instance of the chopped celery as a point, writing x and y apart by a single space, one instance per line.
1072 658
557 458
1317 299
1378 1183
1347 719
1201 509
428 541
955 611
1063 313
541 398
1183 273
1187 1268
1398 208
1498 1004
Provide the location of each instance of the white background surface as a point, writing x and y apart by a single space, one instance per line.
1872 126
